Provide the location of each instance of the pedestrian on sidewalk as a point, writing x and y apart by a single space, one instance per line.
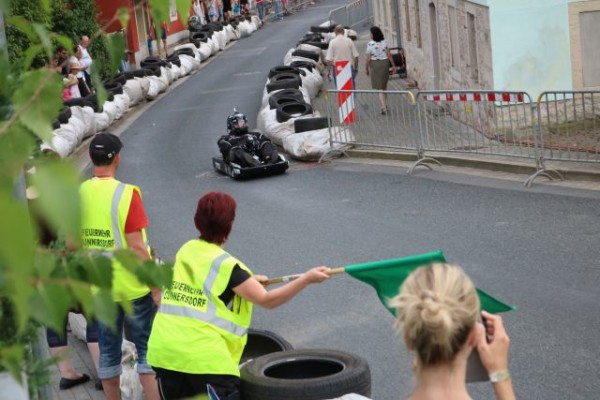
113 218
201 327
341 48
260 10
377 65
164 32
86 62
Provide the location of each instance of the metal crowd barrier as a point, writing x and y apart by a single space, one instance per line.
358 121
353 14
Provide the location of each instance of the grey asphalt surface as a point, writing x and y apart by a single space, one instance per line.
536 248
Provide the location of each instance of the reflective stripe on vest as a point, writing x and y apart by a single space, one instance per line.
210 316
114 215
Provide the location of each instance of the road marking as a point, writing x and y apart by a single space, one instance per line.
248 73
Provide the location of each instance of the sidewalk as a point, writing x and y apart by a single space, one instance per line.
571 170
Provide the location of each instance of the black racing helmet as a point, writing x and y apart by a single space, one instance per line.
237 123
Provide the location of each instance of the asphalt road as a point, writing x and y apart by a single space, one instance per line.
536 249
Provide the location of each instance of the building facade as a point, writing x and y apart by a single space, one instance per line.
531 45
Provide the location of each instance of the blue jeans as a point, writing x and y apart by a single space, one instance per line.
140 324
260 10
278 8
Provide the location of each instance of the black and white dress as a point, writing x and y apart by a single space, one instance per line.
379 65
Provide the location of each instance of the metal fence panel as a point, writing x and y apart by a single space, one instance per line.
397 129
478 122
569 124
353 14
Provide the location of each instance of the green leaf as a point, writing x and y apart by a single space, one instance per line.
91 268
46 265
100 91
123 14
38 100
16 252
44 37
11 359
15 146
30 54
58 186
23 25
105 309
85 298
116 46
50 305
183 8
46 5
160 12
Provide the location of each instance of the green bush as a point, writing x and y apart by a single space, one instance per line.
18 42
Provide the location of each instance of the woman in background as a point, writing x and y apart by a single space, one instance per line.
378 64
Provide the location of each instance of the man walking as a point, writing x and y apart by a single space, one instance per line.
341 48
113 218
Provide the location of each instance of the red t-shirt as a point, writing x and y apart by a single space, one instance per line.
136 218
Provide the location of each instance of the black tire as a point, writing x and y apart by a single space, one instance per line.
194 23
208 30
128 75
303 64
310 124
200 36
283 68
64 115
277 101
120 78
284 81
187 51
320 29
292 110
55 124
113 87
294 93
321 45
80 102
216 26
154 70
174 60
312 37
140 73
306 54
261 342
305 375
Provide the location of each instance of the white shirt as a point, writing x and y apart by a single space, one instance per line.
86 59
341 48
377 50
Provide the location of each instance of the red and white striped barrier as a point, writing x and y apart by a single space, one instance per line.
343 79
478 96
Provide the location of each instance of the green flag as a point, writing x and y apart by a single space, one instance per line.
386 276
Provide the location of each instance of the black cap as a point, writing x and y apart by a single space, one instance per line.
104 147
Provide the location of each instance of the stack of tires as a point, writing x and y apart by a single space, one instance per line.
271 369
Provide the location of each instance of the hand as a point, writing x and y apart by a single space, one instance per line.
317 274
262 279
156 296
394 70
493 343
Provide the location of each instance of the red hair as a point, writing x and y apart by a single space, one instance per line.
214 216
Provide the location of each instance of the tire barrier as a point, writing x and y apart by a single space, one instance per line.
320 29
305 374
261 342
310 124
292 110
283 68
320 45
284 81
127 89
276 102
306 54
303 64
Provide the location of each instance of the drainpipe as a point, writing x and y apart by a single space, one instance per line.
397 23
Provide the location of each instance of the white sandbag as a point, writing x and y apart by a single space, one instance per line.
175 71
256 21
144 85
287 59
350 33
187 63
110 109
309 47
327 36
214 46
221 39
166 71
133 88
230 33
311 145
64 139
102 121
266 122
205 50
121 101
245 29
163 79
312 82
153 88
86 116
78 128
236 33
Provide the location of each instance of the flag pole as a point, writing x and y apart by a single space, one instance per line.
289 278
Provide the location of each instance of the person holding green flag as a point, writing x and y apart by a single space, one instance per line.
438 312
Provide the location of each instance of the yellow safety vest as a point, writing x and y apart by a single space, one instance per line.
105 204
194 331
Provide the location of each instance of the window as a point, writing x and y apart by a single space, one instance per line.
453 36
418 23
407 17
472 47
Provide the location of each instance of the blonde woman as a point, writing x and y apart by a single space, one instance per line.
438 314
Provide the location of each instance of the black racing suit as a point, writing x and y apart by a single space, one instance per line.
241 149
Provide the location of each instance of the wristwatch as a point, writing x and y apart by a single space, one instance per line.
499 376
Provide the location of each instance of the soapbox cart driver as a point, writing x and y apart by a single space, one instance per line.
246 154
